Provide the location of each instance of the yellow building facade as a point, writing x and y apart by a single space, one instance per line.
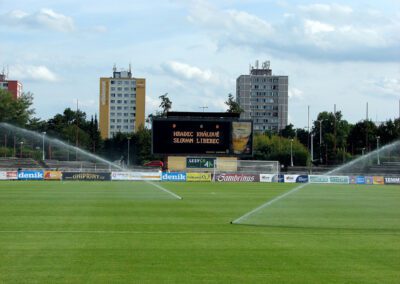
122 102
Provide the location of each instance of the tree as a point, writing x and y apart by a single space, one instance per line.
335 131
288 131
361 135
16 111
233 106
165 104
276 148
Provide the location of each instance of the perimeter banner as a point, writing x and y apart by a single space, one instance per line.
268 178
30 175
339 179
318 179
136 176
392 180
357 179
52 175
86 176
206 177
296 178
378 180
12 175
3 175
237 178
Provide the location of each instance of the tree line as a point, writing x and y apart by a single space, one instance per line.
334 139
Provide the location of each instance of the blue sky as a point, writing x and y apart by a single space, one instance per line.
344 52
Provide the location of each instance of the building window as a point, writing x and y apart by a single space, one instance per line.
113 107
125 114
119 95
112 88
126 95
119 88
112 113
125 101
126 89
119 101
119 108
112 126
126 82
112 101
112 120
112 82
119 82
113 95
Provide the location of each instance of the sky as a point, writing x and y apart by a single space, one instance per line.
343 53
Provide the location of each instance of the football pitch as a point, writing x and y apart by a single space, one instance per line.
114 232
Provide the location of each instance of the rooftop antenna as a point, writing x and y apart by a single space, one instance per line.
115 68
256 64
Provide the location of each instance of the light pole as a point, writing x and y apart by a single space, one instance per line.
43 155
320 140
377 147
312 148
20 151
127 163
291 152
362 151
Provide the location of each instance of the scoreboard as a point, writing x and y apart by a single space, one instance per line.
206 137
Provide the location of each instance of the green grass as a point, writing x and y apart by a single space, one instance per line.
80 232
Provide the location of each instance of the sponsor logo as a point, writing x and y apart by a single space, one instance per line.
357 180
173 177
318 179
86 176
339 179
30 175
268 178
52 175
3 175
281 178
136 175
198 177
302 179
392 180
369 180
290 178
237 178
378 180
12 175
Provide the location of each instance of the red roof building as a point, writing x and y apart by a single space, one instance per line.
13 86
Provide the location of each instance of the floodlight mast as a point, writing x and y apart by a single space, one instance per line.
43 154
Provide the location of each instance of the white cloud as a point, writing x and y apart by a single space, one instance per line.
187 72
31 72
296 94
318 31
44 18
315 27
385 87
326 9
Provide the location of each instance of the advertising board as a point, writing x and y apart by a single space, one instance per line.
392 180
156 175
52 175
12 175
302 179
339 179
3 175
30 175
237 177
173 176
378 180
369 180
357 179
268 178
86 176
202 136
318 179
290 178
206 177
200 163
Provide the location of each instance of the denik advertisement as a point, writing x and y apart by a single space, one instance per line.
30 175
